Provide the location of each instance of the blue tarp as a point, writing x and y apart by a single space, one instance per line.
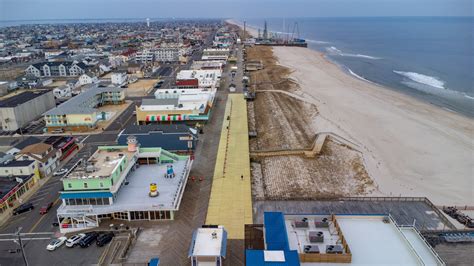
276 236
256 258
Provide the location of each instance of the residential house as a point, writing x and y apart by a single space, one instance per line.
57 69
87 78
46 156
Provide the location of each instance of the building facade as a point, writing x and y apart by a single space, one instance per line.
56 69
123 183
19 110
45 154
176 105
80 113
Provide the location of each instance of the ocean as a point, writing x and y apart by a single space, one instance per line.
430 58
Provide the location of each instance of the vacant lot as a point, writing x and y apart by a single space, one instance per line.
141 87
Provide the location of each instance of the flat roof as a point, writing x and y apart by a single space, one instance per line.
103 163
134 196
16 163
164 128
375 242
78 104
207 244
9 183
21 98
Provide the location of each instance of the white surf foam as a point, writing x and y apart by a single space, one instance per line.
317 42
359 77
423 79
469 97
334 51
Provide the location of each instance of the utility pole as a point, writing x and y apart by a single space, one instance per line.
18 238
21 246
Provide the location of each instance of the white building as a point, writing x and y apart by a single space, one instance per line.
206 78
87 79
208 246
145 56
171 52
62 92
119 78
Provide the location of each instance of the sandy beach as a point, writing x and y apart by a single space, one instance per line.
410 148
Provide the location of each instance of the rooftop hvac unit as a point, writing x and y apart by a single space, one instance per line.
334 249
90 168
314 249
386 219
322 222
301 224
316 237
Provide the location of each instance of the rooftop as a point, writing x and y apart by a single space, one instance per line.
15 163
134 196
372 239
100 165
21 98
79 103
209 242
9 183
164 128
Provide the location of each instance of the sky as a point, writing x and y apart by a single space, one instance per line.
96 9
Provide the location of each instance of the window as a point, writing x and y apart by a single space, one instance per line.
85 185
69 185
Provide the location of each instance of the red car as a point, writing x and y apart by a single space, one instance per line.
46 208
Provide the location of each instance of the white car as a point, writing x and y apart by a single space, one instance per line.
61 171
56 243
74 240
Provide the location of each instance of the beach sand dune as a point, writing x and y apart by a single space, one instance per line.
410 148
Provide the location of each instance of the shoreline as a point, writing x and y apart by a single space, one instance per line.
432 99
411 147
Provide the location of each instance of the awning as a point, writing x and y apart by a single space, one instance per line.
154 118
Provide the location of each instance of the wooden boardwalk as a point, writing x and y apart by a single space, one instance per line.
230 203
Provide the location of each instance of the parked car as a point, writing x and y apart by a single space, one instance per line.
60 172
23 208
56 243
88 239
45 209
104 239
74 240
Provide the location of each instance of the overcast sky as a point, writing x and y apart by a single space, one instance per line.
90 9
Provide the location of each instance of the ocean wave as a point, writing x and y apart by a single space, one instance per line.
357 76
423 79
333 50
317 42
468 96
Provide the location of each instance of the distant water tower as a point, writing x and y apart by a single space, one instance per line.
132 143
148 22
